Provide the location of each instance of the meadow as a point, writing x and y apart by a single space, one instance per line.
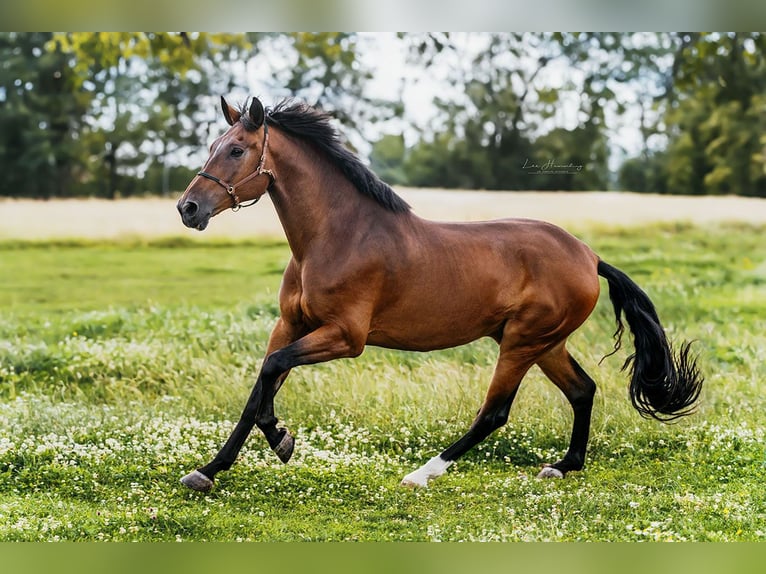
125 362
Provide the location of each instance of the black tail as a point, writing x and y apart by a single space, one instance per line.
663 385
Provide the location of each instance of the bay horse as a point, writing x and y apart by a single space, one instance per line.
365 270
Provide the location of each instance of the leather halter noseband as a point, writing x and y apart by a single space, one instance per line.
231 188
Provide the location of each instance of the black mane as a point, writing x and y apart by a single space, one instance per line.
314 125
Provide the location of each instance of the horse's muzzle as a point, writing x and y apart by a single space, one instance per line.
192 214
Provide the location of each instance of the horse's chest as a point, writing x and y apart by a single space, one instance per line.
316 307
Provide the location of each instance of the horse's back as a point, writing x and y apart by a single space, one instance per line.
528 244
457 282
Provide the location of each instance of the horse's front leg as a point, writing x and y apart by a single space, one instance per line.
324 344
258 409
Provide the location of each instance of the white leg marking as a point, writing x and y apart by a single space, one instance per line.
432 469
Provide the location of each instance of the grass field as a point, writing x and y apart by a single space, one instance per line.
124 363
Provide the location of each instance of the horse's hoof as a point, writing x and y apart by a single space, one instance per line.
550 472
197 481
284 450
413 482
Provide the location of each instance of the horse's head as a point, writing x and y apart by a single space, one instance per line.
230 174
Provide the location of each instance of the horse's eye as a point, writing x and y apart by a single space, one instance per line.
237 152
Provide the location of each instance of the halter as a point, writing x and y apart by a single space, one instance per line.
231 188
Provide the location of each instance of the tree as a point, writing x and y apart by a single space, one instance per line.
645 174
127 108
718 115
145 91
325 70
506 112
40 114
712 114
387 159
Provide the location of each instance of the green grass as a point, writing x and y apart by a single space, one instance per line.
123 365
71 275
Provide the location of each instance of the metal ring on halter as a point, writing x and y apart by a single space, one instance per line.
237 205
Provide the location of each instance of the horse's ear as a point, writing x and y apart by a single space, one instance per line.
231 114
256 111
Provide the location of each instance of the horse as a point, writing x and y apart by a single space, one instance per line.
365 270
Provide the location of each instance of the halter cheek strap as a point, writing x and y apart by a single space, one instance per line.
231 188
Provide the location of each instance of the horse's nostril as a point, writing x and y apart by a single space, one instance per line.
190 208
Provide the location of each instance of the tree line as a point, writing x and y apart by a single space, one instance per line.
121 114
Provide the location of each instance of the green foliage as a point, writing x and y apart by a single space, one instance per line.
328 72
700 99
584 148
151 86
714 116
41 110
387 159
86 113
648 174
123 113
134 362
511 104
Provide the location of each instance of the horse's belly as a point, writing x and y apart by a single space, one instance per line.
431 329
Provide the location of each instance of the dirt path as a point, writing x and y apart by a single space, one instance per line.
93 218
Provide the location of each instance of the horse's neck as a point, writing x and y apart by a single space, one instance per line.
313 200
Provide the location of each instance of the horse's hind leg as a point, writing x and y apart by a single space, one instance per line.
493 414
579 389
